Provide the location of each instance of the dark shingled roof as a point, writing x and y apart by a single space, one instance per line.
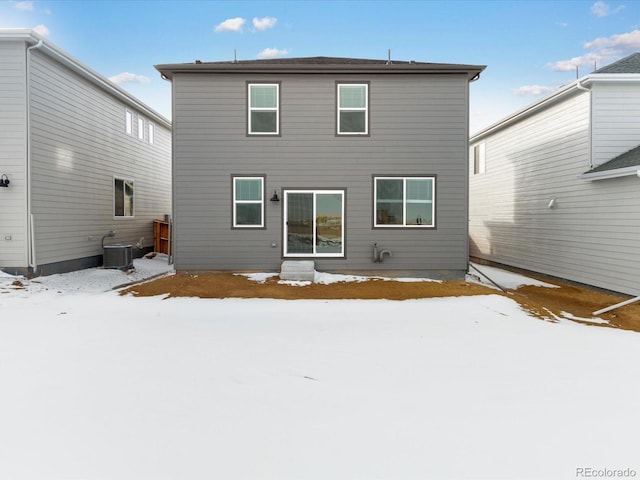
317 61
320 65
627 159
630 64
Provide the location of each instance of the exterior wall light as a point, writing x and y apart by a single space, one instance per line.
275 198
4 180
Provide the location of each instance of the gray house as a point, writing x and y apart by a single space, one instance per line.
358 165
80 158
554 188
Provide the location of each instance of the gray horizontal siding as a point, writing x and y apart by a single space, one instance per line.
78 145
418 125
590 237
13 155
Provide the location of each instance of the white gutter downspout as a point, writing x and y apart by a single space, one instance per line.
579 86
617 305
31 241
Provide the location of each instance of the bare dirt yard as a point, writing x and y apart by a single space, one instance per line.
565 301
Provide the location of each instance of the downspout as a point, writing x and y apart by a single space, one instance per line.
170 243
467 179
31 242
579 86
471 265
617 305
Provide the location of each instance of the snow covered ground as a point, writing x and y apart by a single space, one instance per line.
94 385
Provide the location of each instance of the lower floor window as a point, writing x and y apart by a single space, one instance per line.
248 202
404 202
123 200
314 223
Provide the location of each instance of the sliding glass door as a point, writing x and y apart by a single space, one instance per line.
314 223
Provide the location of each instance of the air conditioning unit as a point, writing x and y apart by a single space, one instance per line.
118 256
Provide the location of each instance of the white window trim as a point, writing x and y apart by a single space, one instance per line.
113 206
404 202
128 122
251 109
286 254
236 202
364 109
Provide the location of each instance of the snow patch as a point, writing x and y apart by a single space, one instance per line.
571 316
91 280
504 278
258 277
325 278
98 385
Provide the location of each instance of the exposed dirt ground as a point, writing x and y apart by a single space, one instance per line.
544 302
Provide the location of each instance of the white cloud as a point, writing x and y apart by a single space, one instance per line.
588 60
25 6
127 77
600 9
42 30
624 42
231 25
603 9
261 24
532 90
604 51
273 53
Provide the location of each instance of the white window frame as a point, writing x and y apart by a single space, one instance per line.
404 179
128 122
133 206
236 202
341 109
251 109
479 158
152 133
140 128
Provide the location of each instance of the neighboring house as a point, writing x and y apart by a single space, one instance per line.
554 188
82 157
320 159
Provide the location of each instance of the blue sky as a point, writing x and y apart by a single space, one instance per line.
530 47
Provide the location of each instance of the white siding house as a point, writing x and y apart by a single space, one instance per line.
82 158
555 187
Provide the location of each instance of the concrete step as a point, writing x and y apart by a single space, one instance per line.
298 270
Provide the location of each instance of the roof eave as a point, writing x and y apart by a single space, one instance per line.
611 78
562 92
615 173
515 117
32 38
168 70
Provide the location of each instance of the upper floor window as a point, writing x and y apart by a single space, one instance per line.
152 133
264 106
123 199
353 106
128 122
140 128
479 161
404 201
248 202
